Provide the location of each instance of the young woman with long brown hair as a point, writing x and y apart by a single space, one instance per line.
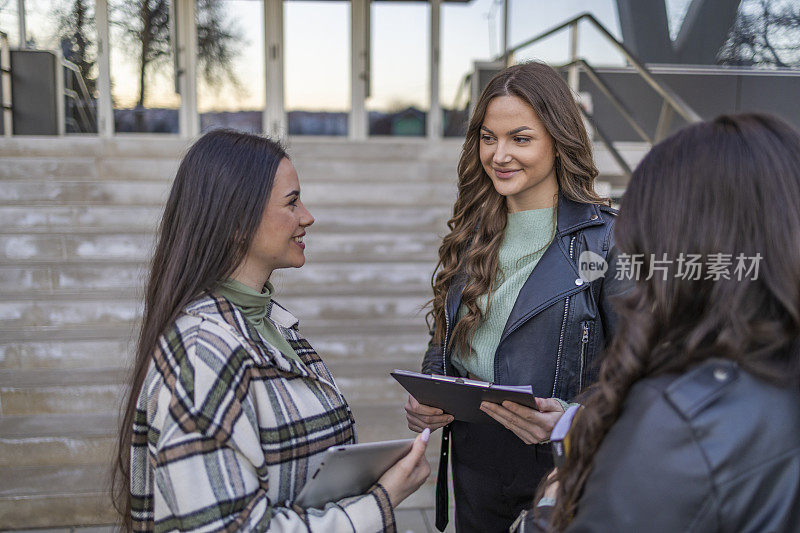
230 407
509 303
695 422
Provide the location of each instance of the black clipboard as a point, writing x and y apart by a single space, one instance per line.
462 397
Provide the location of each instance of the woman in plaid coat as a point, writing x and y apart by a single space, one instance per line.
230 407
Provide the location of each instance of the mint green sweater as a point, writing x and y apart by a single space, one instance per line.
525 239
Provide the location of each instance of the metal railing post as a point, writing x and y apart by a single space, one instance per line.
5 78
358 126
664 122
274 121
105 106
22 24
573 77
506 55
60 92
434 119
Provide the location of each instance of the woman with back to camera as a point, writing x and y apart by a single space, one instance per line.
230 408
509 304
695 424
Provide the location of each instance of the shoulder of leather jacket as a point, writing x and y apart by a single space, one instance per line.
608 209
694 390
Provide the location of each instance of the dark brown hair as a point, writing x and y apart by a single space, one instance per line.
733 187
480 212
213 211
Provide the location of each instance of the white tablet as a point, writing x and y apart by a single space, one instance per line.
350 470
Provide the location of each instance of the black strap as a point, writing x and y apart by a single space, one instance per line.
442 505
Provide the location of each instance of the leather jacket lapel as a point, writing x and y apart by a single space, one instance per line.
454 298
556 275
552 279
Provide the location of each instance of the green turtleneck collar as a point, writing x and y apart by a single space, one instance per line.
254 306
251 303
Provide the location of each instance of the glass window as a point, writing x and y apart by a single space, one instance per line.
470 31
317 85
400 68
68 27
230 71
142 72
9 21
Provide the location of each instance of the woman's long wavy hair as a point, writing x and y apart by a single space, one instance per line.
732 186
214 208
480 212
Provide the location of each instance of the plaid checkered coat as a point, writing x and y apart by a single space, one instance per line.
228 430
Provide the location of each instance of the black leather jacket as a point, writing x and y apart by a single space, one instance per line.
559 323
714 449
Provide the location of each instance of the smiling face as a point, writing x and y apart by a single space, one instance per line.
278 240
518 154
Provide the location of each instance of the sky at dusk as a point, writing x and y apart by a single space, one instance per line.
317 49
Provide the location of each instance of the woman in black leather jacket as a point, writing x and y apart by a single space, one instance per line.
511 305
695 422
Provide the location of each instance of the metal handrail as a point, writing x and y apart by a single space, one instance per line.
626 169
5 79
460 91
82 98
612 97
675 101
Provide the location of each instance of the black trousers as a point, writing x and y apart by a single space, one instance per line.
495 476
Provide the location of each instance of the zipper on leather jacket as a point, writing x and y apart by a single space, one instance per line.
563 324
446 335
584 342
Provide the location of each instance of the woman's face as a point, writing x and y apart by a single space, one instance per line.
278 241
518 154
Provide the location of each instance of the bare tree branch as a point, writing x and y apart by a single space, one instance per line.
766 32
145 24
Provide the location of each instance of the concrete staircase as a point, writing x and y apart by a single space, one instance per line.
77 221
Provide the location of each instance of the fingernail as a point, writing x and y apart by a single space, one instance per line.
426 434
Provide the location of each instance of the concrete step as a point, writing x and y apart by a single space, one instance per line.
168 146
362 380
126 280
60 355
45 248
74 439
57 439
115 352
311 169
37 192
43 496
65 495
94 390
402 170
140 219
306 147
364 244
52 314
316 329
47 167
